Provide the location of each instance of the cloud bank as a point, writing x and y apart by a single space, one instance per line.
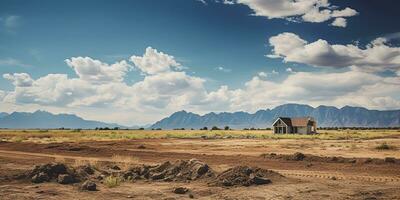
376 56
315 11
167 88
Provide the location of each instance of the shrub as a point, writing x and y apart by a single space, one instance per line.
17 139
226 128
215 128
112 181
383 146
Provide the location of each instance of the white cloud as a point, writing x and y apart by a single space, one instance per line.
309 10
266 74
101 85
153 62
337 89
340 22
262 74
96 71
167 91
223 69
202 1
19 79
377 56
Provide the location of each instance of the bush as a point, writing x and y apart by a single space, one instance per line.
112 181
215 128
383 146
226 128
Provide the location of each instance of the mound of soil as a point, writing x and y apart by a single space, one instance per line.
180 170
51 172
58 172
244 176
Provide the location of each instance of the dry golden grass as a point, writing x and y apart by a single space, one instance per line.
55 136
112 181
124 162
82 162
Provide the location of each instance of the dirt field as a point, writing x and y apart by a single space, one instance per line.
334 168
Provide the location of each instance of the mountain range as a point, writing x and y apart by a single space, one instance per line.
326 116
43 119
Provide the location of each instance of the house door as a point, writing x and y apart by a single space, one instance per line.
284 129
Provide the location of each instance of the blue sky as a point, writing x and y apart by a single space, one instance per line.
218 50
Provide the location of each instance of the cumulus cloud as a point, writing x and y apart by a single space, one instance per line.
340 22
159 94
315 11
153 62
339 89
376 56
19 79
262 74
99 84
96 71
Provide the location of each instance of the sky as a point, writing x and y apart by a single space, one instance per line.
135 62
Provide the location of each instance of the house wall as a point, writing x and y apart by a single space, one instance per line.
281 128
302 130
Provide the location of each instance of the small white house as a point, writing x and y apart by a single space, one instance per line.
296 125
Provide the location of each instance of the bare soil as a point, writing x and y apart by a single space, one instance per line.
329 169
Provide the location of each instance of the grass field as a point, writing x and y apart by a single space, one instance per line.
44 136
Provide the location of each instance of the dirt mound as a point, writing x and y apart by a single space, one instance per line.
244 176
58 172
51 172
86 172
180 170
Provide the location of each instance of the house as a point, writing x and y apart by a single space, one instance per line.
296 125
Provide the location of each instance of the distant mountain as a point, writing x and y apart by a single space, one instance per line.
326 116
42 119
3 114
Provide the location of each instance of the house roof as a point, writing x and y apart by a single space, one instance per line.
296 121
301 121
286 120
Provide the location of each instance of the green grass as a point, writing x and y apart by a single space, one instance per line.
74 135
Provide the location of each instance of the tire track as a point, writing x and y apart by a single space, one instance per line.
337 176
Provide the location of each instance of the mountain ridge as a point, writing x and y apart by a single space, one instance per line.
44 119
326 116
